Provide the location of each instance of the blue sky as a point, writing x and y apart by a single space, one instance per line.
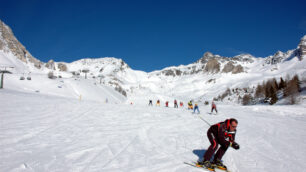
151 35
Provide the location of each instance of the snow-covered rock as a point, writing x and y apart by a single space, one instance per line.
9 43
302 48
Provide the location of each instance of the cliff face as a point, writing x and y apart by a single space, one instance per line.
9 43
302 48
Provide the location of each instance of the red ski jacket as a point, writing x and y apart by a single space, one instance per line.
222 134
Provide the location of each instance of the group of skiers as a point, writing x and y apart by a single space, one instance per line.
166 103
190 105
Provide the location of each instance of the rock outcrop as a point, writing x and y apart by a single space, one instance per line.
276 58
302 48
62 67
9 43
237 69
50 65
212 66
228 67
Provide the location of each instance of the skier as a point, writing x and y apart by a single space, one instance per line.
181 104
196 107
167 103
222 134
190 105
150 103
213 107
175 104
158 103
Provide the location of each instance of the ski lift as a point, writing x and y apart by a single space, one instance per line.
2 74
29 76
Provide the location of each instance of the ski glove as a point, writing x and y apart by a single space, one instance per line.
235 145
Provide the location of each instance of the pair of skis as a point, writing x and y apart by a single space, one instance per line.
194 164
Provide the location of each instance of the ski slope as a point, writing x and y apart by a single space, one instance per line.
77 88
40 132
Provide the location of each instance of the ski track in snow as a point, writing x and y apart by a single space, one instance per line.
46 133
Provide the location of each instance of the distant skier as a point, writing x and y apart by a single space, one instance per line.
167 103
222 134
106 100
213 107
181 104
150 103
196 107
158 103
175 104
190 105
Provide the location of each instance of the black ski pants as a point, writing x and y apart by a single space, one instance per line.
213 147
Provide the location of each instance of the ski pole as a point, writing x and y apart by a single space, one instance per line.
204 120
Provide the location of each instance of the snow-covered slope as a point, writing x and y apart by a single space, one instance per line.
79 89
50 133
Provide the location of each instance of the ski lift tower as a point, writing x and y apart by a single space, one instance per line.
3 70
101 77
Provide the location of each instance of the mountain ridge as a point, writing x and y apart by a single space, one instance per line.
202 76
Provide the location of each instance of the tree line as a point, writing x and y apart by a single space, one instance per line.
272 90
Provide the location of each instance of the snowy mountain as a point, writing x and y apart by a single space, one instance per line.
10 46
202 80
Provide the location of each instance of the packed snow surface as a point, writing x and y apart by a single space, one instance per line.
40 132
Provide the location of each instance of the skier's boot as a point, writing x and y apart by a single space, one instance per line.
217 163
205 164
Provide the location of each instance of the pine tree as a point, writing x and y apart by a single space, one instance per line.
268 89
271 92
246 99
282 84
297 83
275 84
293 87
259 91
273 95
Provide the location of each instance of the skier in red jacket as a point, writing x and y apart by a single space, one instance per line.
213 107
175 104
222 134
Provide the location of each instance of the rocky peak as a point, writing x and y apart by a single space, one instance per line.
123 65
9 43
244 58
50 65
276 58
206 56
212 66
302 48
